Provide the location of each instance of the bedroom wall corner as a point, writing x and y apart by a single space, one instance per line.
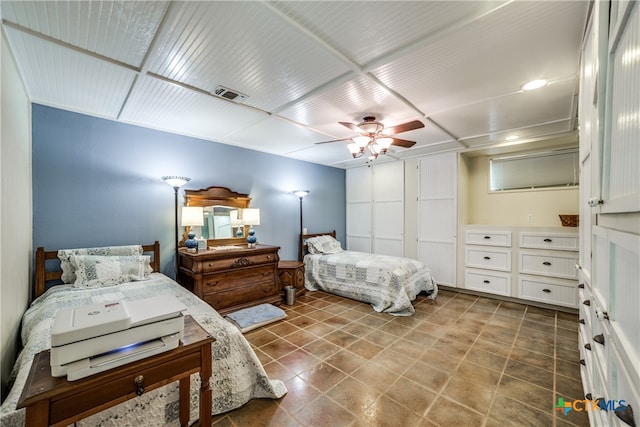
16 208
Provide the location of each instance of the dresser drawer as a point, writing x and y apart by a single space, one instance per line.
96 395
491 283
212 265
563 266
240 296
492 259
488 238
548 292
233 279
558 242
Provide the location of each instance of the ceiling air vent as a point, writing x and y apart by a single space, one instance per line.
229 94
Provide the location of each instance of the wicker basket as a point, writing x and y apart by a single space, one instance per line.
569 220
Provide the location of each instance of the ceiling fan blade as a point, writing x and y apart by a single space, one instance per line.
403 143
416 124
333 140
351 126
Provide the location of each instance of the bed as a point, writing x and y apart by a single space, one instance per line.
388 283
238 375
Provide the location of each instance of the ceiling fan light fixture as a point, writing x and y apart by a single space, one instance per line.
354 149
384 143
361 141
370 125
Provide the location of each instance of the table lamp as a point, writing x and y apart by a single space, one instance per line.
192 216
251 217
236 223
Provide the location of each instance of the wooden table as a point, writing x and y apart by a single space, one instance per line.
55 401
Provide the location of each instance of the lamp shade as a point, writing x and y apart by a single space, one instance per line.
192 216
301 193
251 216
176 181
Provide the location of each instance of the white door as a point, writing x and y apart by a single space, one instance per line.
358 193
388 209
437 215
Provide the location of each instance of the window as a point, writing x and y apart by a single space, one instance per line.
534 171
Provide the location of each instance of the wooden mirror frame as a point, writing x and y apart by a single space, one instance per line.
217 196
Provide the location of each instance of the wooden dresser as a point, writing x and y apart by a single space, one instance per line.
232 279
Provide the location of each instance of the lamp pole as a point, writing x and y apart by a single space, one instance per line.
176 182
300 194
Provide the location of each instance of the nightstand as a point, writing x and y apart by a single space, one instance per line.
55 401
291 273
232 279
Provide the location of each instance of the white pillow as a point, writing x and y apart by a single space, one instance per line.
64 255
323 245
94 271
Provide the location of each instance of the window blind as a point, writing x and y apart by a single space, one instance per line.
532 171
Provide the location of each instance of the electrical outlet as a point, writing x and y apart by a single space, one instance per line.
530 217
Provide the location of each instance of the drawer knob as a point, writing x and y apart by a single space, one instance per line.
581 286
487 237
587 346
487 257
599 339
138 382
602 315
546 291
581 321
546 263
626 415
582 362
587 302
548 240
210 264
486 281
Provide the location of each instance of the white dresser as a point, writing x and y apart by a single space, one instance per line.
530 263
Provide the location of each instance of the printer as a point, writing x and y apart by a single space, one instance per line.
93 338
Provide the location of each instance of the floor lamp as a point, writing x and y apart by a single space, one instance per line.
300 194
176 182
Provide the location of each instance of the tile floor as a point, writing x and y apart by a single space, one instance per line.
460 360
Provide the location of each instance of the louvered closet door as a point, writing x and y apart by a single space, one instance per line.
388 208
437 215
358 209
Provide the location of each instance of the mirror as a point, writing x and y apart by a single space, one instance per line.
219 205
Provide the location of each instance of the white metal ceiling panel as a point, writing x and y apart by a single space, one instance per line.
366 30
521 109
245 47
349 102
64 78
170 107
274 135
536 132
121 30
492 56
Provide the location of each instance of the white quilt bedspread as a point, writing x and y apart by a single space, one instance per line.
238 375
388 283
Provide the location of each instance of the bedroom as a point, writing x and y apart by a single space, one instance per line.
61 207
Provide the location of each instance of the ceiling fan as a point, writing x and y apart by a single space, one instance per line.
372 135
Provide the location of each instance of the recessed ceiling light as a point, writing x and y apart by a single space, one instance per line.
534 84
512 137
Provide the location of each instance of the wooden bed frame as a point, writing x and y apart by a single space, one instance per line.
44 277
303 242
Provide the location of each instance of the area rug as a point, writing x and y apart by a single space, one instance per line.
251 318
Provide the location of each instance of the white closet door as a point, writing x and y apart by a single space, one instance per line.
621 150
358 193
438 215
388 209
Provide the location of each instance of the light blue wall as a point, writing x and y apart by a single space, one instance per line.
97 182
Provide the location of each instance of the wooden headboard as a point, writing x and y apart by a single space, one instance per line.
303 242
44 278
